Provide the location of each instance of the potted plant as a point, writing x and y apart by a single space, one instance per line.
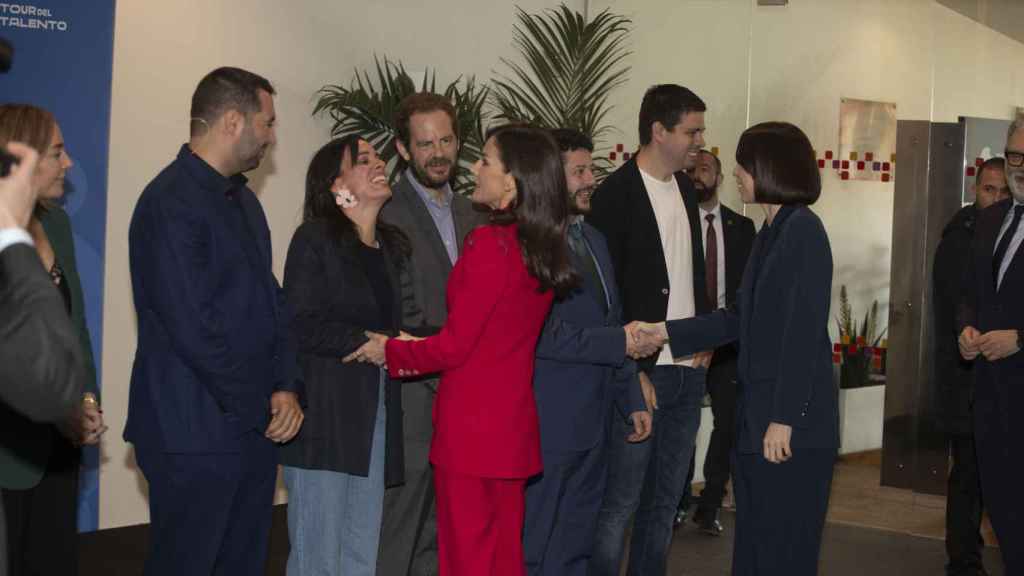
861 348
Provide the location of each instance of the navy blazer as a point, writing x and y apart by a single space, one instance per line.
212 326
781 322
581 364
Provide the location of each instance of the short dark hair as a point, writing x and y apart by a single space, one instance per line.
779 157
541 207
666 103
226 89
994 163
718 162
421 103
570 139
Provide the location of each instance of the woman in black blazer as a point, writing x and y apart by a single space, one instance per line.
342 283
787 435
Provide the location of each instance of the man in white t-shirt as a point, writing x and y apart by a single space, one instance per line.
647 210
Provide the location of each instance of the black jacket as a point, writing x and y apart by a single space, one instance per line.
953 375
622 211
333 303
738 237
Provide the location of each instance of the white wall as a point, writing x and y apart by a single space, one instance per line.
162 49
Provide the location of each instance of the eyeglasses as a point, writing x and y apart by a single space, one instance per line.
1014 158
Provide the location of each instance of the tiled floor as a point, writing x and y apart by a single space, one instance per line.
872 530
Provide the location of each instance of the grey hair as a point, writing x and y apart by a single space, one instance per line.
1017 124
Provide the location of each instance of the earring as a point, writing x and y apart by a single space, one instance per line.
345 199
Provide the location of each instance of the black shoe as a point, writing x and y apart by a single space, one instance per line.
680 518
707 522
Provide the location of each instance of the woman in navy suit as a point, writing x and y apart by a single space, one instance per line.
787 435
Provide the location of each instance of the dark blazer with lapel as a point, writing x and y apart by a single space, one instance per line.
333 305
998 395
738 237
41 362
212 323
622 211
781 322
582 364
430 266
23 463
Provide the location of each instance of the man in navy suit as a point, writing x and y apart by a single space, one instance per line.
213 386
992 327
582 368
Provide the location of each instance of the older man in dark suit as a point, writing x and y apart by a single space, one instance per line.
992 325
436 220
214 385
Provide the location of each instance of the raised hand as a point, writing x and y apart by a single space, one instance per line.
644 339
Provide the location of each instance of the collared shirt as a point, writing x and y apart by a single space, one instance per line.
674 229
720 248
440 213
12 236
1011 250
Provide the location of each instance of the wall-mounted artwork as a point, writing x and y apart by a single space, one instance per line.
867 140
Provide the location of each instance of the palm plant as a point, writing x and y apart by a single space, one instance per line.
571 65
367 107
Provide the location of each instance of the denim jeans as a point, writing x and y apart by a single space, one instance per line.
649 478
334 518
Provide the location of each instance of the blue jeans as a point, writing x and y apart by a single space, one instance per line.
334 518
649 478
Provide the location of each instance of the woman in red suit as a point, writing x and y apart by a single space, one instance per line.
486 440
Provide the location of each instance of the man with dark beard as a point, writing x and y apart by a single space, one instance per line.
583 367
436 220
728 238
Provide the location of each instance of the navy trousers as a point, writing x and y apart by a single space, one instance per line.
210 513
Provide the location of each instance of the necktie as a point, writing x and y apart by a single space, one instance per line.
579 247
1004 243
711 261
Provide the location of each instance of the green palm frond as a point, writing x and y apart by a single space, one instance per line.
367 107
569 67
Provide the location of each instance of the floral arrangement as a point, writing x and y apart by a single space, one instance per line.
861 349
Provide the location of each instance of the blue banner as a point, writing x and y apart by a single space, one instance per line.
63 60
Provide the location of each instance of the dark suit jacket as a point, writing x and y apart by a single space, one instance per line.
781 322
998 395
954 376
582 364
738 236
429 265
22 463
622 211
333 305
485 415
212 323
41 362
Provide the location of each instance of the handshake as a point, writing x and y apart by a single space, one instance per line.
644 339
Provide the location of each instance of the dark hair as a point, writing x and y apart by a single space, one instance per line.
666 103
780 158
226 89
569 139
994 163
541 205
421 103
718 162
320 205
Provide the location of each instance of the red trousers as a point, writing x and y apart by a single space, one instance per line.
479 524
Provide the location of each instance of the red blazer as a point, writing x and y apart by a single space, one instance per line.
485 415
